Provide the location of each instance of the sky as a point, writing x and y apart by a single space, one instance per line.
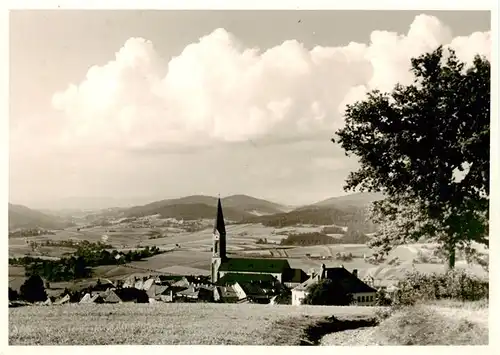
146 105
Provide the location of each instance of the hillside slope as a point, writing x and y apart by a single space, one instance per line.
192 211
24 217
356 200
353 218
236 207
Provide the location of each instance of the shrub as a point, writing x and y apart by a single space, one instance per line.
13 295
33 289
284 297
327 293
454 284
382 298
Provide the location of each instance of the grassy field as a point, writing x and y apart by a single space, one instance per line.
166 324
440 323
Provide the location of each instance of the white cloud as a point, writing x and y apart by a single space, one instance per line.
131 126
218 90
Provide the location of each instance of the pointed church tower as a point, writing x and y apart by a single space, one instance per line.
219 243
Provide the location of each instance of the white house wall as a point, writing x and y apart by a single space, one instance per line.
239 291
298 297
365 298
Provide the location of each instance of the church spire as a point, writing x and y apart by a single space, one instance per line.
219 243
219 225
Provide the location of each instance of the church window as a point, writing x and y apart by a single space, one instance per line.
216 248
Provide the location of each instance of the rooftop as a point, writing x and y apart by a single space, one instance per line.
255 265
243 278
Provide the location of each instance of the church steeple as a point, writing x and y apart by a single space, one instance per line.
219 249
219 242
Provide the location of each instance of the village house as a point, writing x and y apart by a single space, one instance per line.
229 294
363 294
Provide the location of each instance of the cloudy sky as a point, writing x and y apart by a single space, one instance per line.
140 105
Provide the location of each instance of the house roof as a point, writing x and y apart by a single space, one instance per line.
111 297
227 292
294 275
170 278
253 289
148 283
243 278
347 281
63 300
304 285
189 292
255 265
157 290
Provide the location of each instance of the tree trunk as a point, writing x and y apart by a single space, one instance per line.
451 256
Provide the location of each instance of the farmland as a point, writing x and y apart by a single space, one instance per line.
189 251
168 324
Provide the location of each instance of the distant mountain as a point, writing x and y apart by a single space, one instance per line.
353 218
89 203
356 200
236 207
24 217
252 204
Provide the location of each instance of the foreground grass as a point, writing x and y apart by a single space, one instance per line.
166 324
438 323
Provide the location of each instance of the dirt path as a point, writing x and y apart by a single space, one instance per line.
354 337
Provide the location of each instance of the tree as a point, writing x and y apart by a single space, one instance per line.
13 295
382 298
33 289
327 293
425 146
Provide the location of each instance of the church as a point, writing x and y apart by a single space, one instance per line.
226 269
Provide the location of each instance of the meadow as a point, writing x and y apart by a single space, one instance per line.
171 324
436 323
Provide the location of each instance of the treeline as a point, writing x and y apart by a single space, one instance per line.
79 265
303 239
332 230
352 218
320 238
31 232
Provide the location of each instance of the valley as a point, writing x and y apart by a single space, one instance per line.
186 243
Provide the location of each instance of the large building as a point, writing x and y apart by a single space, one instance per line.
362 294
252 268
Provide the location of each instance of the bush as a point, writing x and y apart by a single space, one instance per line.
327 293
33 290
382 298
284 297
13 295
454 284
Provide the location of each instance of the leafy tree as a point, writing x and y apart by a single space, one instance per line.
382 298
413 144
327 293
13 295
284 296
33 289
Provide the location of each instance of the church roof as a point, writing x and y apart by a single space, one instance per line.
242 278
255 265
219 220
